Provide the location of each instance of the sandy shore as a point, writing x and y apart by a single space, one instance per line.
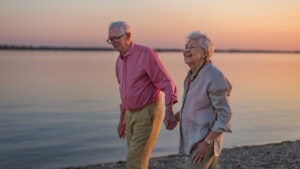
285 155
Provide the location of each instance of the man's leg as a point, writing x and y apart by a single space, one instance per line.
142 130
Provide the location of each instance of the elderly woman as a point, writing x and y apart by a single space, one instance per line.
205 112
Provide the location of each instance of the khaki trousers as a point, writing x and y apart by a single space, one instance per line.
209 162
142 130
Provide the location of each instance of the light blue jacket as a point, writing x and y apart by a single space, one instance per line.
205 107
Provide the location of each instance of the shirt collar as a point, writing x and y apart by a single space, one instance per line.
128 52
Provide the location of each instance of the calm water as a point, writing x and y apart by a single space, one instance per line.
60 109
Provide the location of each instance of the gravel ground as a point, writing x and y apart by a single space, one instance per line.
285 155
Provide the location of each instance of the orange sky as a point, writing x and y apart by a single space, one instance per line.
231 24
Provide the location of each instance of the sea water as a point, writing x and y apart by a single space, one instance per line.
61 108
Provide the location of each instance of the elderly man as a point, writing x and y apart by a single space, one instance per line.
141 77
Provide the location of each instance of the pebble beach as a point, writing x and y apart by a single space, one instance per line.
284 155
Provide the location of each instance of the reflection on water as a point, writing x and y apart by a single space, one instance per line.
60 109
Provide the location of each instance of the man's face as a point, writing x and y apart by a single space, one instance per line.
119 41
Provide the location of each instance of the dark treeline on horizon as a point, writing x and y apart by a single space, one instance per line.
64 48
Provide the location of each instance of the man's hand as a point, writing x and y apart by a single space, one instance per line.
170 119
121 128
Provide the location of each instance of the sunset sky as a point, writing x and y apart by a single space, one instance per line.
231 24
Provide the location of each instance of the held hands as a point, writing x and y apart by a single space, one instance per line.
170 119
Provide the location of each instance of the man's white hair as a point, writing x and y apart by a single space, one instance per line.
123 26
203 41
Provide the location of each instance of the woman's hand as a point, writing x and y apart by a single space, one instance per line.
199 152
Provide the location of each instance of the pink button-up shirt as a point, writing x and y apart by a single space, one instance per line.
141 77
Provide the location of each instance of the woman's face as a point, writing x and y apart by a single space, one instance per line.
193 53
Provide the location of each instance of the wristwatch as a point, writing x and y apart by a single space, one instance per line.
207 141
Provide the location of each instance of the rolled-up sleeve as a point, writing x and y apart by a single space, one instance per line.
218 91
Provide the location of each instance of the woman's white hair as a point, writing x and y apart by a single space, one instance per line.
204 42
123 26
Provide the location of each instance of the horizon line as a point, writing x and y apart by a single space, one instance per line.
81 48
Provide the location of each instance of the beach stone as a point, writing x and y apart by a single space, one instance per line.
285 155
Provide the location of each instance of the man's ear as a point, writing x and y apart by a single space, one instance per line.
128 35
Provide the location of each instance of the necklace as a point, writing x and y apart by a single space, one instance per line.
193 77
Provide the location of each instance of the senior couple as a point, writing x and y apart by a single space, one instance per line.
205 113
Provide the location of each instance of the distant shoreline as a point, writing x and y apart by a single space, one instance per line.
54 48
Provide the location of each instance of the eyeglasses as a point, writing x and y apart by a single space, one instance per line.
114 39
